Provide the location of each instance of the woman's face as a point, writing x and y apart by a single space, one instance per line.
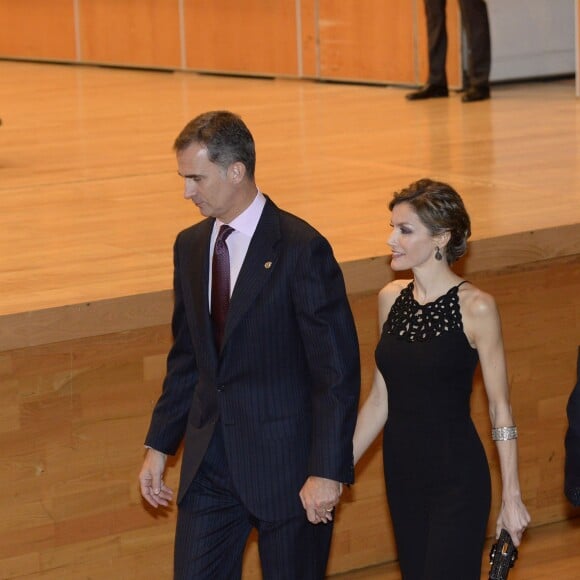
411 242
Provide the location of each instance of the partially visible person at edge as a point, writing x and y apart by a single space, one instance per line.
434 330
266 401
572 443
476 25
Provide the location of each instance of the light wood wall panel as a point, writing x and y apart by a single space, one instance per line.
74 415
131 32
38 29
370 40
308 61
383 42
251 37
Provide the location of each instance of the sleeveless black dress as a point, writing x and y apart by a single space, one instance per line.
436 471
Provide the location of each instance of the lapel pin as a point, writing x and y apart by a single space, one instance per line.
268 265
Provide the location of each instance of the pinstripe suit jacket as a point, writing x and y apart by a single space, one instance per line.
286 383
572 442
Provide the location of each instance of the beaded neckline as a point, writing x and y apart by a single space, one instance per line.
414 322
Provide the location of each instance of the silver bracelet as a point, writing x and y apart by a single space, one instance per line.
504 433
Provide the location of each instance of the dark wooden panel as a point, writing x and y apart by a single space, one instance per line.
74 415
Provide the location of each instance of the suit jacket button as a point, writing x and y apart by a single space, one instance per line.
220 389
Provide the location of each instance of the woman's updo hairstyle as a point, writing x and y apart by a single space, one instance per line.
441 209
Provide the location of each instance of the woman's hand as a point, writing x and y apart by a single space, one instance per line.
514 518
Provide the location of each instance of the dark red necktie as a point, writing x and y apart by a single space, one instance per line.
220 284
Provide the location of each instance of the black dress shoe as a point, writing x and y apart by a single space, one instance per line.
428 92
476 94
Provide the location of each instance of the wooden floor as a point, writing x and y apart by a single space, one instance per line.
548 552
90 203
90 200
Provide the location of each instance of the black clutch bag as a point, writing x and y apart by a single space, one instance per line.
502 557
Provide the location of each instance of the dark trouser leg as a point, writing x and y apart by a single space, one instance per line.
476 24
437 41
212 524
294 549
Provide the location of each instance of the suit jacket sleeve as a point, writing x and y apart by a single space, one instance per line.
330 341
169 417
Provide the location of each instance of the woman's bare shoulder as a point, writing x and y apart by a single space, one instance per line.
476 303
389 294
393 289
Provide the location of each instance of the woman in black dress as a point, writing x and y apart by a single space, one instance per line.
434 330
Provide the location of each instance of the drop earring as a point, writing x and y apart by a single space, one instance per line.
438 255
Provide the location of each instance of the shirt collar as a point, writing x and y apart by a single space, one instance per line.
247 222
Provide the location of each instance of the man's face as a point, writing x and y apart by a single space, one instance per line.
208 185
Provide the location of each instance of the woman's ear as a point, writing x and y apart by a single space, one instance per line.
443 238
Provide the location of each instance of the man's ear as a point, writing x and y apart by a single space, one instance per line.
237 172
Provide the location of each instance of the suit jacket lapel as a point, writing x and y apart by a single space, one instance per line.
197 279
257 268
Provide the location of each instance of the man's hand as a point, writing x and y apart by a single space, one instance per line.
319 497
153 490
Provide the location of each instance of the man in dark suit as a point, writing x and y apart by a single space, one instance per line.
266 401
572 442
476 25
